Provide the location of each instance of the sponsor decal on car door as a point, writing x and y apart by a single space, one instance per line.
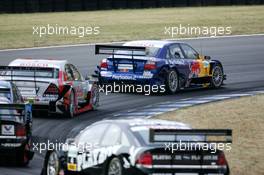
8 130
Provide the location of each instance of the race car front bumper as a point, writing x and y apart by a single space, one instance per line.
189 169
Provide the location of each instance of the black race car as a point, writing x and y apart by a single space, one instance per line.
139 147
15 126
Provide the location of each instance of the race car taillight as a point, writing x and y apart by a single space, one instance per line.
145 159
104 64
20 130
150 65
221 159
52 90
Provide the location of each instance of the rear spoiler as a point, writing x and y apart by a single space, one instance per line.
172 135
21 68
111 50
11 69
27 108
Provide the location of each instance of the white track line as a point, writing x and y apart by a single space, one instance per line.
91 44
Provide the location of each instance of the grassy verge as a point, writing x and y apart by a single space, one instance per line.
245 117
119 25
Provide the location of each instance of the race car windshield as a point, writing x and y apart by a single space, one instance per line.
144 134
28 73
150 52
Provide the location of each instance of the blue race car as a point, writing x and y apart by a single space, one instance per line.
169 65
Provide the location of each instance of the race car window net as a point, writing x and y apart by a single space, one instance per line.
37 72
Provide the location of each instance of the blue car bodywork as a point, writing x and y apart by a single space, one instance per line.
151 62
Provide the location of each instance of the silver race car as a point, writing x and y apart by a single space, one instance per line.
53 86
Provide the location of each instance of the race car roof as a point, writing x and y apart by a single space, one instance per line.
45 63
149 43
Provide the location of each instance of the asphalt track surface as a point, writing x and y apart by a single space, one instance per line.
242 57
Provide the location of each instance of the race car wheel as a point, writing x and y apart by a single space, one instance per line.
217 77
71 107
53 164
22 156
172 82
94 99
115 167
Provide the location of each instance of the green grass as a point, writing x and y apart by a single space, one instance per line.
120 25
244 116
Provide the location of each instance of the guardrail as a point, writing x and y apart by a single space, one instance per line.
21 6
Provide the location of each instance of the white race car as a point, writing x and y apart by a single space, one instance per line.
53 86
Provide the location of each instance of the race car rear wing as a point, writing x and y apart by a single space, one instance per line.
115 50
11 69
8 71
191 135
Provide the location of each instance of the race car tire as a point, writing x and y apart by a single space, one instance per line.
53 165
71 108
217 76
22 156
94 99
115 167
172 81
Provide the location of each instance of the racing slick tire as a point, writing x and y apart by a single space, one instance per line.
217 76
22 156
115 167
172 81
53 165
71 108
94 99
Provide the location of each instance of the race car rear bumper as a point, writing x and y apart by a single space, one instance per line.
51 107
11 143
146 77
195 170
138 81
